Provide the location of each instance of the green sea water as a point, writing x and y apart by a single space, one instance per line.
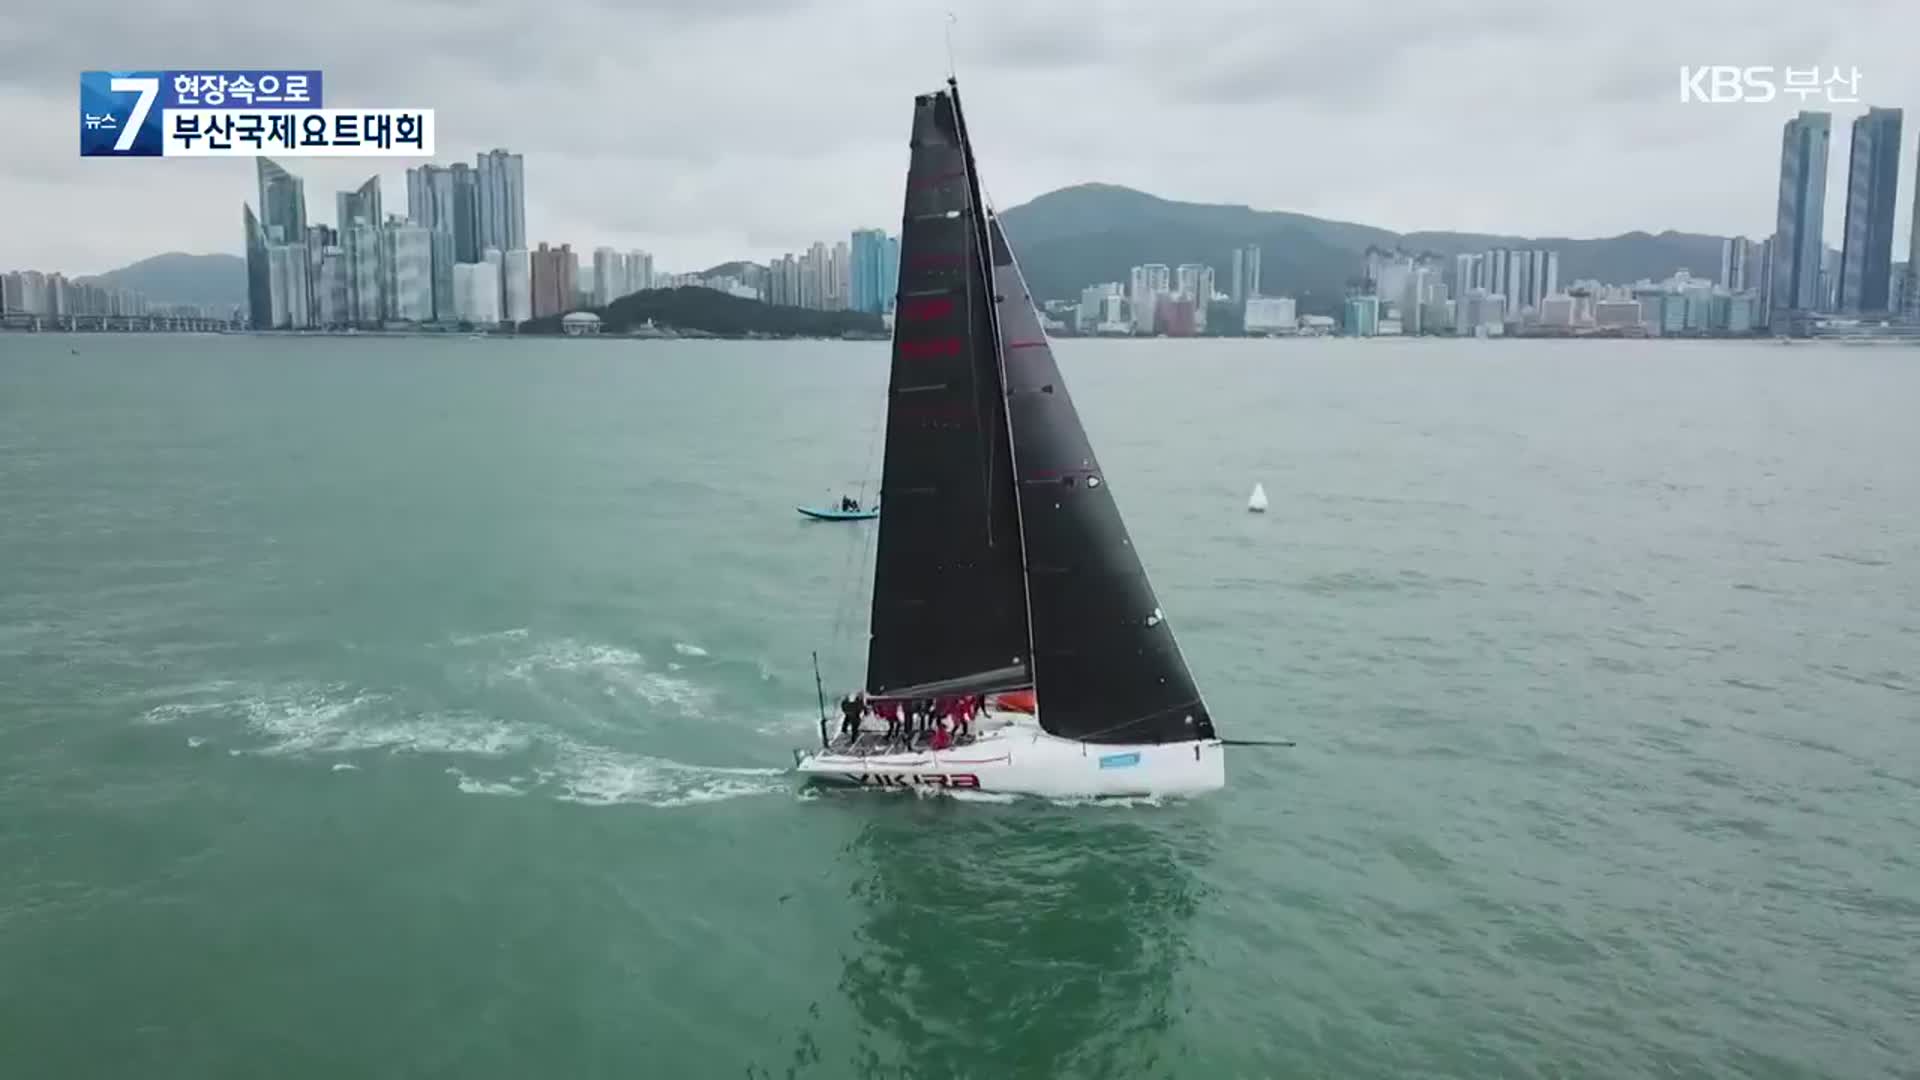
412 708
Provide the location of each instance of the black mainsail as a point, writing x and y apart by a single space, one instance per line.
949 599
1003 560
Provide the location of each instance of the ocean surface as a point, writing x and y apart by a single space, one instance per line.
406 708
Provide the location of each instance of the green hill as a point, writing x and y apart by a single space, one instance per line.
178 278
1090 233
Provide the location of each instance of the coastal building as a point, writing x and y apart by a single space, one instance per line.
410 256
1797 246
365 278
870 282
1733 263
1911 292
553 272
1092 309
516 286
639 271
441 247
1246 273
283 203
1145 286
444 199
609 276
477 286
500 202
360 206
1271 315
1362 316
1873 177
331 308
287 265
1616 314
1174 316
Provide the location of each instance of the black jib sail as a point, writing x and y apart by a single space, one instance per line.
949 600
1106 666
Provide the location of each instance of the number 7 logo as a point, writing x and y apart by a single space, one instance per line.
148 89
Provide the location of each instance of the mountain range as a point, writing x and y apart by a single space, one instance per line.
178 278
1077 236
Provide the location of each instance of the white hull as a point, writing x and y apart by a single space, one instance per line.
1020 759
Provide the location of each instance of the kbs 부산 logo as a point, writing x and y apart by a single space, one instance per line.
236 114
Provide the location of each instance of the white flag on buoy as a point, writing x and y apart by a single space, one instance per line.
1257 502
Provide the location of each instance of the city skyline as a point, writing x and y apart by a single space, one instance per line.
690 183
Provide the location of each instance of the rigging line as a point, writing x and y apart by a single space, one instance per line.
951 20
849 598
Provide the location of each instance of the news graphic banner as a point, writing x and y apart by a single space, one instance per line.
236 114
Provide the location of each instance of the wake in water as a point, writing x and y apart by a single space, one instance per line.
565 680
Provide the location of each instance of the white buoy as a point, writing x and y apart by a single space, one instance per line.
1257 502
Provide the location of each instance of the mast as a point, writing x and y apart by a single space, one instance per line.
986 249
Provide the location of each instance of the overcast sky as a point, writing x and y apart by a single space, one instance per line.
704 130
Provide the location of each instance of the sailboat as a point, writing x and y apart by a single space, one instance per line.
1002 563
1257 502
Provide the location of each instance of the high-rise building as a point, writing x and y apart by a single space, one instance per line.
1362 316
839 277
1733 263
330 289
259 272
361 206
609 276
443 264
870 284
553 277
516 286
501 205
1911 305
1246 273
445 201
813 277
288 286
365 276
477 292
1873 177
429 195
283 203
639 271
410 256
1797 246
1466 269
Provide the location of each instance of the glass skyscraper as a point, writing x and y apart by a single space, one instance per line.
283 203
1797 245
259 272
1873 176
501 201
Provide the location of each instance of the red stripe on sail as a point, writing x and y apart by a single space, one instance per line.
930 307
932 347
1026 344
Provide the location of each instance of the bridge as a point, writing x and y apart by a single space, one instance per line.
122 324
